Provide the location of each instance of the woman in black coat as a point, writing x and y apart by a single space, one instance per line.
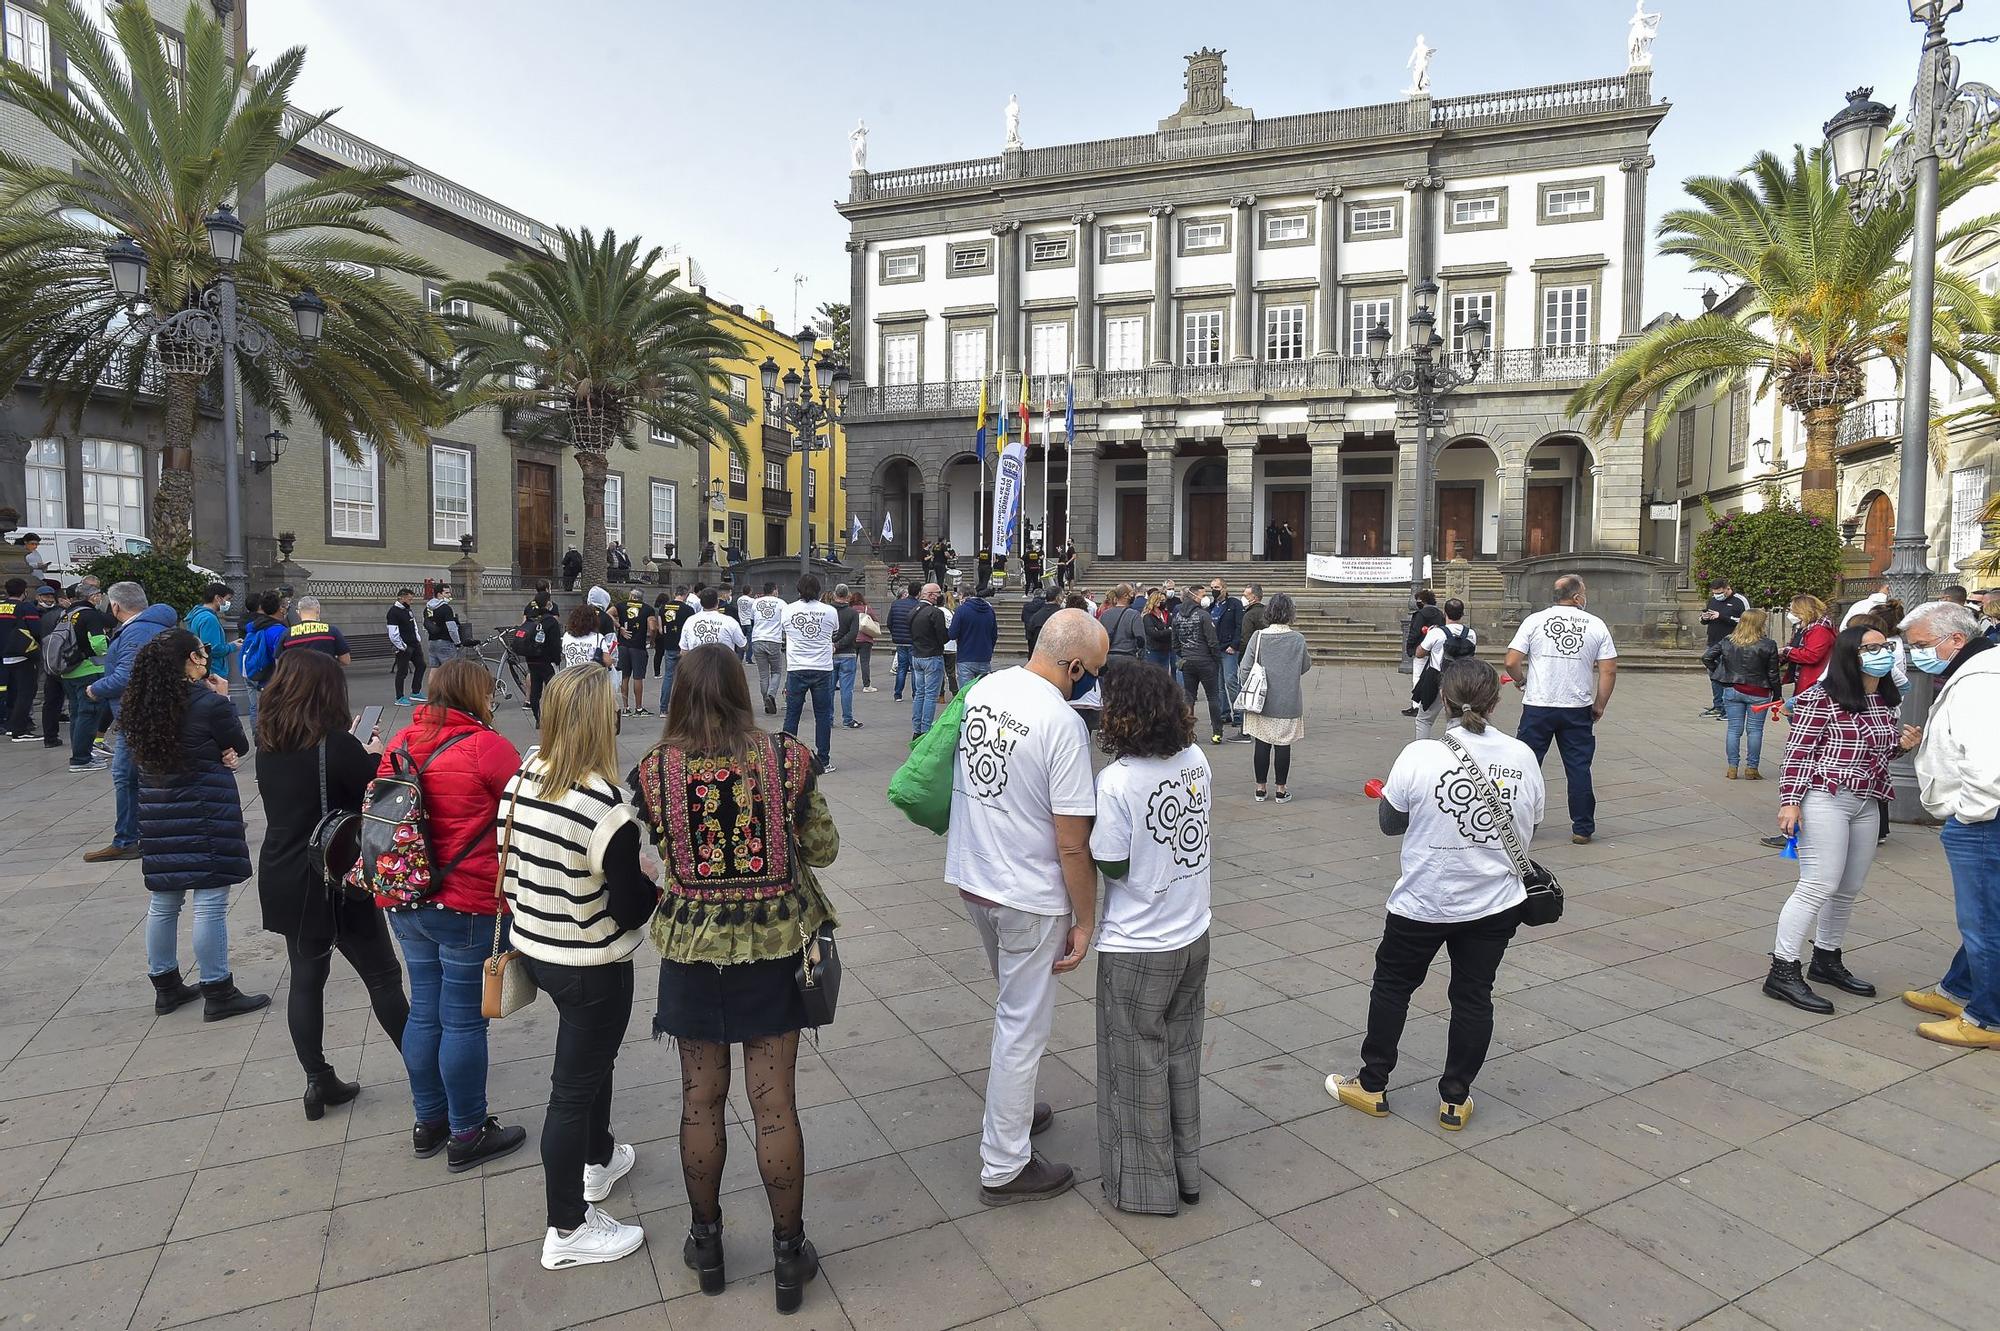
309 763
186 737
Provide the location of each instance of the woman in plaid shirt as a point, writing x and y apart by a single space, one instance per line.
1844 732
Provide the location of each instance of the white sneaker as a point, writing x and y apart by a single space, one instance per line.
598 1239
597 1179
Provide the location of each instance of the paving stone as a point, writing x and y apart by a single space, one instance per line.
748 1306
1850 1167
67 1228
126 1155
23 1170
1372 1148
1142 1298
1377 1244
1633 1132
930 1112
1703 1242
1038 1248
1778 1083
1961 1214
1942 1278
389 1234
224 1273
888 1065
1819 1296
1603 1282
449 1296
1259 1277
1567 1170
895 1285
1943 1146
1474 1203
88 1295
1477 1295
521 1296
56 1116
1219 1212
1713 1108
1778 1200
1274 1171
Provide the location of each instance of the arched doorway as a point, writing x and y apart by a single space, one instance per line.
1208 510
1558 511
900 491
963 506
1465 525
1878 516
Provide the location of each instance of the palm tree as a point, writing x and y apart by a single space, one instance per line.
155 149
591 340
1826 295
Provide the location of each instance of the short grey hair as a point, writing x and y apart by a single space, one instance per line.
1567 587
840 589
306 605
1944 618
127 596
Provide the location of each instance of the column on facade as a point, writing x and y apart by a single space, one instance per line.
1423 254
1513 499
1086 291
1008 260
1632 268
1082 496
1326 324
1323 438
857 310
934 511
1159 448
1619 491
1239 450
1163 284
1406 485
1244 347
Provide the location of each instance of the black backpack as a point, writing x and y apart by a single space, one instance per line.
393 857
1460 644
532 641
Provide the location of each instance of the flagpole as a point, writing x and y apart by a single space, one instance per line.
1048 444
1069 454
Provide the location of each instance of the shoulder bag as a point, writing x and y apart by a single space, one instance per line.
336 838
1254 688
505 985
1545 895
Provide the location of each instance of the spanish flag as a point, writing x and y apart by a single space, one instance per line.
980 446
1026 419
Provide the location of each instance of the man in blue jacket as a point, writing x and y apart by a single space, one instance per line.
138 624
205 622
1227 614
975 630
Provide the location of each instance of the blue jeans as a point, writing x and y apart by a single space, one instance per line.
971 670
256 692
845 669
669 663
1973 851
211 932
85 716
926 679
1575 738
1229 660
125 785
1744 724
1159 659
903 669
819 683
444 1042
1717 689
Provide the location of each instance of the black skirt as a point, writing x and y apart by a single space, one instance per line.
729 1004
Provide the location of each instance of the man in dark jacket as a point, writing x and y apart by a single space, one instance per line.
572 568
139 623
1255 617
846 661
1227 612
1424 616
1037 613
50 604
408 645
20 665
900 611
929 631
1123 623
1724 608
975 629
1201 657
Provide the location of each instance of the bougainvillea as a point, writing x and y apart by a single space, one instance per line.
1771 555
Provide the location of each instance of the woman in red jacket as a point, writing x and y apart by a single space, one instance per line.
446 938
1811 644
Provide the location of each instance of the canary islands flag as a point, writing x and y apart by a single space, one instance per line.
980 446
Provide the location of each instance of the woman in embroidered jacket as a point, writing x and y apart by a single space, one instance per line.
740 825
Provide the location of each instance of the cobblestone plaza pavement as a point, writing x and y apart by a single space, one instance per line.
1657 1145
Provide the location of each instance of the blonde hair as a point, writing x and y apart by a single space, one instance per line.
1807 607
579 729
1750 628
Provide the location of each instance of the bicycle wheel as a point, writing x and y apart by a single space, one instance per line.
517 676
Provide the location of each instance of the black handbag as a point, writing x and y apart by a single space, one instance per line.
818 977
336 840
1545 895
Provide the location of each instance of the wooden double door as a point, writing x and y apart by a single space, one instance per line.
1457 522
1293 507
534 519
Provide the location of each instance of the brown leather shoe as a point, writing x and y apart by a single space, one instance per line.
1045 1117
103 853
1040 1180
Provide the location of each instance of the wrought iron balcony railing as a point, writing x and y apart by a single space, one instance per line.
1870 422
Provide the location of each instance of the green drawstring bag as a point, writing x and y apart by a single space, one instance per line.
921 787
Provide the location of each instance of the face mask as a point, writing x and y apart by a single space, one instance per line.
226 605
1207 601
1877 661
1927 660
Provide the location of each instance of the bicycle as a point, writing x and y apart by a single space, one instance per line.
510 677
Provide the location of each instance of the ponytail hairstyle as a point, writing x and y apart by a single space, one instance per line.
1471 690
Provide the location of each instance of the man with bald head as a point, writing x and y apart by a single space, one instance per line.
1018 852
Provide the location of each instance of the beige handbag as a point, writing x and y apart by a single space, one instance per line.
505 985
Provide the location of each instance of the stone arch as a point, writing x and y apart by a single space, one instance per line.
897 490
1467 477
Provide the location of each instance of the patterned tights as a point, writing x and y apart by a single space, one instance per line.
770 1066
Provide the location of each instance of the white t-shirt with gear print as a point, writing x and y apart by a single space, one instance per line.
767 619
1023 757
1563 645
1455 866
1154 813
707 626
810 628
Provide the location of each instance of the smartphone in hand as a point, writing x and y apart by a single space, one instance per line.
365 724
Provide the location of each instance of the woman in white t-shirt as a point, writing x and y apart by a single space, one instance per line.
1151 843
582 643
1458 889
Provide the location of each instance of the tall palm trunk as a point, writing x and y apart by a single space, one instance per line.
173 500
1819 482
595 466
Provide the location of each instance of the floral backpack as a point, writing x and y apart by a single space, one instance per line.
395 856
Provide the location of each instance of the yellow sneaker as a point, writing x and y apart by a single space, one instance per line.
1933 1002
1454 1117
1958 1031
1348 1091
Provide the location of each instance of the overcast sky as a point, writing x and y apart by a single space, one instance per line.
722 128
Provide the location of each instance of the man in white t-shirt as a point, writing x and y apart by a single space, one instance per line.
767 644
1440 643
810 626
741 604
709 624
1564 660
1018 851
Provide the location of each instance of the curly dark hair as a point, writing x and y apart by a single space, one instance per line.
156 700
1145 713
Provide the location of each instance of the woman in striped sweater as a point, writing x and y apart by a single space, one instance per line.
570 867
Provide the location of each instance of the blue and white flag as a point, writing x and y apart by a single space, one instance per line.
888 531
854 528
1008 480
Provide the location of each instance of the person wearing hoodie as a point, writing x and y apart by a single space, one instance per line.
441 627
1201 658
975 629
261 636
139 622
1958 777
409 648
205 622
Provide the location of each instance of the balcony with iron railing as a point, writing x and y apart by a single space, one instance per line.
777 501
1866 424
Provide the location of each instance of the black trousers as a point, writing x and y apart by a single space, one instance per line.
1402 960
366 945
594 1004
53 698
1207 677
1260 760
408 659
539 674
21 680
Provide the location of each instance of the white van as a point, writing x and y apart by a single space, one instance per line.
68 549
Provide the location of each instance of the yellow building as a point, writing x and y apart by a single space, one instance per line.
756 502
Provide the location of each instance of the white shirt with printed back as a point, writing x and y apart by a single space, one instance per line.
810 628
1153 813
1563 645
1431 649
707 626
1023 757
767 619
1455 866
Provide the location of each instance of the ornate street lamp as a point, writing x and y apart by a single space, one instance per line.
805 414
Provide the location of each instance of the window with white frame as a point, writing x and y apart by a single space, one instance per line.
1684 448
666 519
896 267
738 473
48 486
968 259
899 359
114 486
1285 332
1566 317
1201 337
1203 235
354 495
1363 315
175 52
456 308
1052 250
1968 502
1048 349
1125 342
774 474
614 508
27 43
1286 226
1475 212
739 387
1124 244
451 494
660 434
1570 201
1372 220
968 354
1739 427
526 376
1465 307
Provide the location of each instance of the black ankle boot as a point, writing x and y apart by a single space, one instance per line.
324 1088
1786 984
224 999
1827 966
170 991
703 1254
797 1263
